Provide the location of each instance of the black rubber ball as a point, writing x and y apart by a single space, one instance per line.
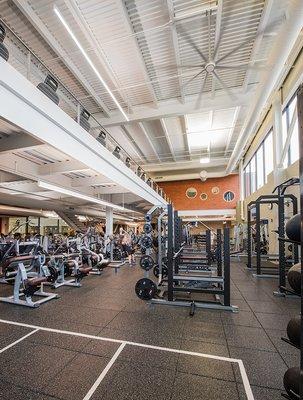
294 278
293 228
294 330
292 382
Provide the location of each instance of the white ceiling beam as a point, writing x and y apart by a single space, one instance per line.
133 143
110 190
169 142
232 130
18 142
181 165
27 169
49 38
85 29
149 140
170 107
173 29
62 167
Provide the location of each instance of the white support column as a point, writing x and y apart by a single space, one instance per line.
277 138
109 226
242 194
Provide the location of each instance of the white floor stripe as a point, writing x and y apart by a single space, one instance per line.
247 387
18 341
104 372
245 380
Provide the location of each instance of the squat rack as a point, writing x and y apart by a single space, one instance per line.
271 199
174 249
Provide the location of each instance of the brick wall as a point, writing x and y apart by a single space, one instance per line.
176 190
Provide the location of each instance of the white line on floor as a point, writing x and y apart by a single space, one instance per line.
104 372
190 353
18 341
245 380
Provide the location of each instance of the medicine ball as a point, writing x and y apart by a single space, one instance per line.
293 228
294 278
292 382
294 330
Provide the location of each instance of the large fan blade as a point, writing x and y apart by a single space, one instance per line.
191 79
219 30
247 41
193 44
198 102
228 91
178 66
243 66
212 87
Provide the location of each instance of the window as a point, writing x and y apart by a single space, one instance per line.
247 180
294 141
260 166
253 175
191 192
228 196
268 155
290 115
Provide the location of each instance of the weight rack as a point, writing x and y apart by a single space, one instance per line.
175 247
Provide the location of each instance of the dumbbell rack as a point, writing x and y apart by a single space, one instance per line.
300 121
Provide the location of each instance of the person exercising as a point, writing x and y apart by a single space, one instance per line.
128 248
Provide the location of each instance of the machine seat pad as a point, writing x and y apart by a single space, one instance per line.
85 270
36 281
16 260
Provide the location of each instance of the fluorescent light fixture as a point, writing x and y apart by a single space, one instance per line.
204 160
78 195
66 26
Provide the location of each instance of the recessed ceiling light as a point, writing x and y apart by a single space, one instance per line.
204 160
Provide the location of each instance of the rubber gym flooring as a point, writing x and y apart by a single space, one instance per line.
46 364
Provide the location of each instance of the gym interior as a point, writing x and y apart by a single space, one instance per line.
151 180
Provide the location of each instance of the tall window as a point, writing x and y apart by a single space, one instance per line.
253 174
268 155
260 166
247 180
290 121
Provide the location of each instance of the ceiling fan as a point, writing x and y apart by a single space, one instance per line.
212 63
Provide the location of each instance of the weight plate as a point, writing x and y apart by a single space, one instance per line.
148 218
145 289
147 242
146 263
143 250
147 228
156 271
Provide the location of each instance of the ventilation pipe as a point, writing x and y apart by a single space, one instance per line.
278 62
